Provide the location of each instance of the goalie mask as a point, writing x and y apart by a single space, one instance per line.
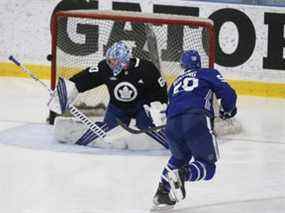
190 59
118 57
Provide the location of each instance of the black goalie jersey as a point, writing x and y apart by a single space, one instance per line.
141 83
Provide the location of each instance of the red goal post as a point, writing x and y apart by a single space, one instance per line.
160 38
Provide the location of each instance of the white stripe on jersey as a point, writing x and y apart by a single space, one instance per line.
208 100
198 171
204 169
215 144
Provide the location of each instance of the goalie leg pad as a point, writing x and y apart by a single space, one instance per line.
62 94
159 137
90 136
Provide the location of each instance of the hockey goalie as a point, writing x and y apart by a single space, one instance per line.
137 92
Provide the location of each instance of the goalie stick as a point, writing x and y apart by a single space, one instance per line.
72 109
138 131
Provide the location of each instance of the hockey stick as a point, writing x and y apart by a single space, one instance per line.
72 109
139 131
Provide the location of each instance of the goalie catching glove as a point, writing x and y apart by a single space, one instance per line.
157 112
65 94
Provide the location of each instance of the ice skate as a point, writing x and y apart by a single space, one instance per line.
182 178
162 199
176 180
166 200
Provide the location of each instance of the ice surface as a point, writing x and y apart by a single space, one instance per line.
39 175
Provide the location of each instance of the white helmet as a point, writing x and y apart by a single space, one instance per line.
118 57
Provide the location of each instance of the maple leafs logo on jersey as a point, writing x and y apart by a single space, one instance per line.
125 92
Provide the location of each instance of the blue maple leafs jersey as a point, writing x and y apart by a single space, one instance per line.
194 90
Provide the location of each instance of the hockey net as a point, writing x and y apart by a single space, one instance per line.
80 39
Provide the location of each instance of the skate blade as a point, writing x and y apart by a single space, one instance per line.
157 208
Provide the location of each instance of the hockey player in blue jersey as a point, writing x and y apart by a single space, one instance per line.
189 128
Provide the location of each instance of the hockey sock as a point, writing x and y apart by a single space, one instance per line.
201 170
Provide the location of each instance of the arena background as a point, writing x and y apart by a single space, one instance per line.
250 48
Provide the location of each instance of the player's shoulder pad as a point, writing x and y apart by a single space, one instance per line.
213 74
139 62
214 70
148 65
209 71
102 65
136 63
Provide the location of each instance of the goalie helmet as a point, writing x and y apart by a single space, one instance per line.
190 59
118 57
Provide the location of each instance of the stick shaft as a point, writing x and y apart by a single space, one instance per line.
32 75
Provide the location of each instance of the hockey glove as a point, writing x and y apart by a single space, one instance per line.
156 111
65 93
226 115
